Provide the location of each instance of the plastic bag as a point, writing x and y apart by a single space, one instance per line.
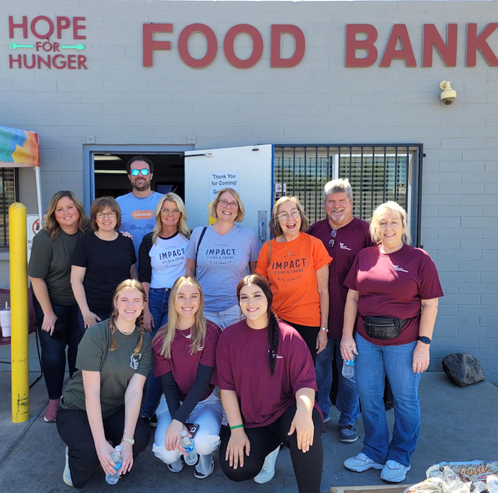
492 483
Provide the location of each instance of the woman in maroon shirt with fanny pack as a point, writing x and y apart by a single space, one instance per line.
394 290
268 385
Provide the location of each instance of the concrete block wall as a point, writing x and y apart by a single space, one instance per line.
117 101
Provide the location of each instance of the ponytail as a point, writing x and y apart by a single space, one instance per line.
273 331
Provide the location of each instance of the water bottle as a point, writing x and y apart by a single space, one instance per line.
188 445
117 458
348 368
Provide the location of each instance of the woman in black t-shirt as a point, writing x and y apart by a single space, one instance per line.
55 307
100 262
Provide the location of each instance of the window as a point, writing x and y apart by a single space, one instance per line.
377 173
8 195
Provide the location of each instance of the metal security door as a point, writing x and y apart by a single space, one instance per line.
249 170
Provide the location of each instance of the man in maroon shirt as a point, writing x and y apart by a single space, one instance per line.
343 236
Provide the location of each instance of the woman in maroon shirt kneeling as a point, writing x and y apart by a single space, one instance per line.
394 290
268 385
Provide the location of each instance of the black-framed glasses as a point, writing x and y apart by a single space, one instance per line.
143 172
333 234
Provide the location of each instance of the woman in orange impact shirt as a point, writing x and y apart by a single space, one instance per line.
296 264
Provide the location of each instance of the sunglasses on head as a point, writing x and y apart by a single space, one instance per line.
136 172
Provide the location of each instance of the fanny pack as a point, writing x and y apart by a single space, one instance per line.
383 328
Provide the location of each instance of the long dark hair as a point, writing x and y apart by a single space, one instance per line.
273 329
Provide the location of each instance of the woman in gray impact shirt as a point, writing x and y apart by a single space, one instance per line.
219 256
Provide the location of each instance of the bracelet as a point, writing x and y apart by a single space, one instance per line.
324 329
237 426
303 409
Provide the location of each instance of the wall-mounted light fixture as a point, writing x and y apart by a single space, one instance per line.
448 95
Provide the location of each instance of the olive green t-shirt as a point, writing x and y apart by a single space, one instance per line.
51 261
116 367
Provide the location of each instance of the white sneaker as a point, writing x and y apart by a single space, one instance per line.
394 472
66 475
361 463
268 470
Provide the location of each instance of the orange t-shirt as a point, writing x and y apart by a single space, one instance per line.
292 276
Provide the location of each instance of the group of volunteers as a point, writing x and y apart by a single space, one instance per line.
241 342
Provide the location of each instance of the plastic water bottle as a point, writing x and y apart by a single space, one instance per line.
117 458
188 445
348 368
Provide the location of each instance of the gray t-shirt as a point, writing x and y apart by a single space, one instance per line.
116 367
222 262
137 215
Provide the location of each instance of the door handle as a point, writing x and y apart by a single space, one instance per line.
263 226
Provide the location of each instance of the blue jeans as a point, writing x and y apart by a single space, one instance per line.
347 402
158 306
53 351
372 364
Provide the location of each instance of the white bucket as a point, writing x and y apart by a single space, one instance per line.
5 322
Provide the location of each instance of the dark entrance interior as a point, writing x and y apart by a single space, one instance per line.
111 178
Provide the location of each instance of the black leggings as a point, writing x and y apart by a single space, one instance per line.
309 334
307 466
74 429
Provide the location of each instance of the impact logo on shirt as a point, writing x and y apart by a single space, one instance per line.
220 255
142 214
344 247
397 268
134 360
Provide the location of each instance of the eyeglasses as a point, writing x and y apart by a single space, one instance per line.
143 172
284 216
226 204
333 234
102 215
171 212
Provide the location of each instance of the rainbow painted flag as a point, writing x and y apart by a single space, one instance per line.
19 147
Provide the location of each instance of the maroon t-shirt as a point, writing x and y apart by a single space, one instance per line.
242 364
349 240
182 364
393 285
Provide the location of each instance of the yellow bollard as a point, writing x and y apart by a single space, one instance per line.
19 312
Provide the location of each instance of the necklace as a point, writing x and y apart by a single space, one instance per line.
186 337
295 243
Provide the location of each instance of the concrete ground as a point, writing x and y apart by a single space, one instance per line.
458 424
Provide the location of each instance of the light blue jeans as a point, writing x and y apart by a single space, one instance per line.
158 306
347 401
372 364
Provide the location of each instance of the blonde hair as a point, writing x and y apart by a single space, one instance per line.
181 227
380 213
98 205
198 331
128 284
275 228
212 208
51 225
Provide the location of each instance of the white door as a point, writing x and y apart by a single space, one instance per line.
249 170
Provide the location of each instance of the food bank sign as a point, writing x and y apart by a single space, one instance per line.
39 43
362 45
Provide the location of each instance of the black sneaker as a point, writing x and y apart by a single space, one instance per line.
348 434
153 421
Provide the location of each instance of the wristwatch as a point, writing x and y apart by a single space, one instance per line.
131 441
324 329
424 339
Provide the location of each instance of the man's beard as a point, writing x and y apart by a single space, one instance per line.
141 188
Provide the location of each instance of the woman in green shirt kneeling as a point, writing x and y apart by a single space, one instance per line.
102 400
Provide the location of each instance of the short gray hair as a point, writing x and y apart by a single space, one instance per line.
338 186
